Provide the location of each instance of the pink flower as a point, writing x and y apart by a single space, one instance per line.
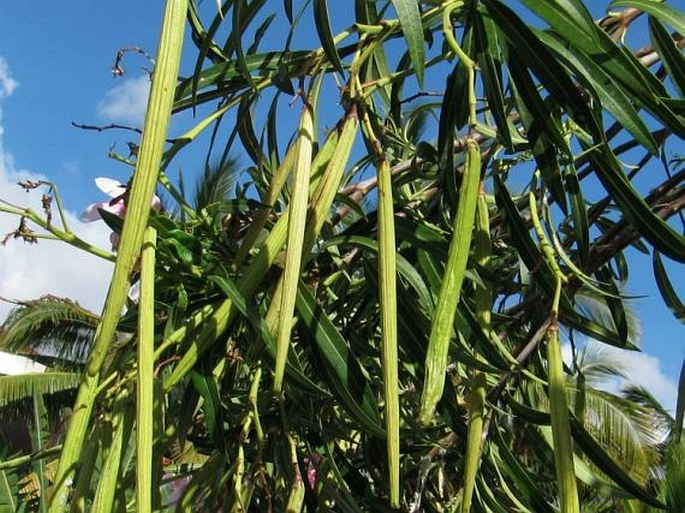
116 206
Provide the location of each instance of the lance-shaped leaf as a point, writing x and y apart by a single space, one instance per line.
344 372
661 10
488 59
648 224
532 258
671 56
323 28
542 62
666 288
611 96
412 28
570 18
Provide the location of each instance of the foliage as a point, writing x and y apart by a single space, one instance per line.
368 317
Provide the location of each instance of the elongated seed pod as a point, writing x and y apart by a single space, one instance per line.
322 199
450 290
208 324
297 220
110 480
330 181
388 302
297 489
558 405
145 386
561 429
483 299
138 210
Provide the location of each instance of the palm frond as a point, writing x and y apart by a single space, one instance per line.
596 309
216 186
625 430
50 326
661 419
597 364
23 386
673 483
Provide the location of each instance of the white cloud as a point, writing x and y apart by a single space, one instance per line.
7 83
640 368
126 102
29 271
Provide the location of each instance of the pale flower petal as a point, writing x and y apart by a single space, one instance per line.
91 213
156 204
113 188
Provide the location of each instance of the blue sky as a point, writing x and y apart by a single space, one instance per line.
55 68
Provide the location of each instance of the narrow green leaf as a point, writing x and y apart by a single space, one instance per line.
649 225
523 480
487 58
661 10
542 62
323 28
666 289
611 97
680 405
449 111
412 28
344 372
404 268
293 369
247 133
569 18
671 55
239 27
288 8
532 258
542 126
205 41
581 227
207 387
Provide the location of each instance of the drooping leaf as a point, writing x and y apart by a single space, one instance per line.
665 12
610 95
668 293
412 28
323 28
344 371
649 225
671 56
